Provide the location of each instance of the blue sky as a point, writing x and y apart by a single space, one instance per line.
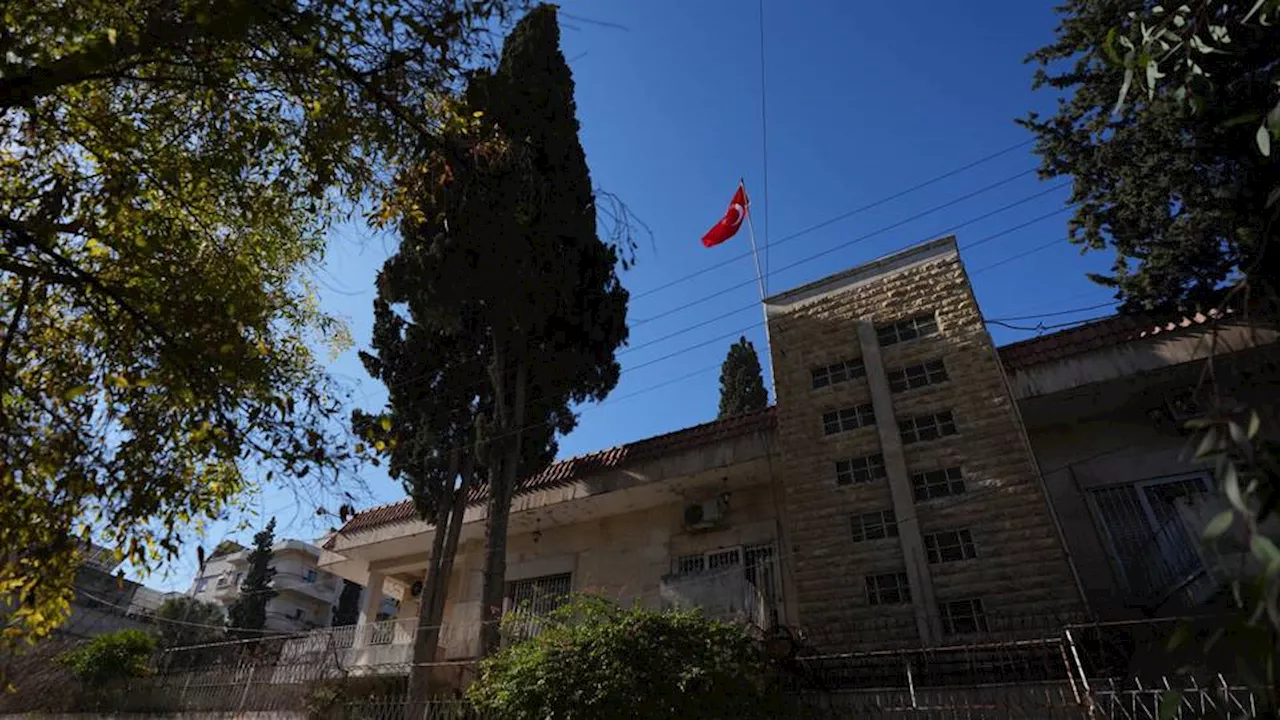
863 100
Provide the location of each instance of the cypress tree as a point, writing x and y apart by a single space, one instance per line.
249 611
741 381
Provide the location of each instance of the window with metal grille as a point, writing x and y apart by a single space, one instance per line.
874 526
540 595
888 589
917 376
1148 543
838 373
689 564
859 469
927 427
950 546
909 329
848 419
962 616
309 575
937 483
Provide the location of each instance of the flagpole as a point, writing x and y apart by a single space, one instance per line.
755 255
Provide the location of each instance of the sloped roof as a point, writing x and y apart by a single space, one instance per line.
571 469
1102 333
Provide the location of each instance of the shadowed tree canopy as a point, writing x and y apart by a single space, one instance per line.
196 622
249 611
168 174
742 381
1172 182
510 275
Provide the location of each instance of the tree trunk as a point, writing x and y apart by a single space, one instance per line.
427 632
501 490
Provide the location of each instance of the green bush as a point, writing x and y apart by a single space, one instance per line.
595 659
110 657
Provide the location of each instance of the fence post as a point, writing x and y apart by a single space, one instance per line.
1084 677
247 686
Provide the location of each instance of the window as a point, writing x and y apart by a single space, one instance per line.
689 564
201 584
927 427
1147 541
875 526
729 557
541 595
916 376
309 575
888 589
949 546
838 373
962 616
298 614
239 577
848 419
909 329
859 469
937 483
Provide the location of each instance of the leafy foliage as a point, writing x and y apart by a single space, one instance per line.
193 622
110 657
1171 178
249 611
741 381
499 234
169 169
593 659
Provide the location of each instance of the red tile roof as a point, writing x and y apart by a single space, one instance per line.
567 471
1092 336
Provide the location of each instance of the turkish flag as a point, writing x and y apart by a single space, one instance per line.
732 220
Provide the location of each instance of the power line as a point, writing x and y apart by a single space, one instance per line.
1052 314
1042 327
1019 256
867 236
843 216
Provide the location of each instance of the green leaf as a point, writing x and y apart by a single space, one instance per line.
1208 444
1218 525
385 423
1254 421
1170 701
75 392
1264 549
1263 138
1273 197
111 35
1231 486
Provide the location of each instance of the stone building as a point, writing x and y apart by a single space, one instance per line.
913 486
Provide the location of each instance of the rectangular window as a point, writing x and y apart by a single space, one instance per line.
874 526
917 376
859 469
299 613
950 546
848 419
1146 538
309 575
689 564
838 373
927 427
201 584
539 596
909 329
962 616
937 483
888 589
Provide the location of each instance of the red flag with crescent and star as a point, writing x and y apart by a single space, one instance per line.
732 220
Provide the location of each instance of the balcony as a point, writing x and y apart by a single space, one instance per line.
323 588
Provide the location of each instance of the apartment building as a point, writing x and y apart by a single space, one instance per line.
914 486
305 593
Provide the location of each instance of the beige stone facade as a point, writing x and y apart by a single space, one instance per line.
1018 569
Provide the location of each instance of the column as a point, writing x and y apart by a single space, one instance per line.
369 608
895 466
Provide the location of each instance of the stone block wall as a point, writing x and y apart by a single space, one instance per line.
1020 575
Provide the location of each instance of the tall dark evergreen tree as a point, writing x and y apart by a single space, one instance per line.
510 272
1172 181
249 611
347 611
741 381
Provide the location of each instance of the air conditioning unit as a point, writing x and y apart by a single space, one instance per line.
416 589
707 514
